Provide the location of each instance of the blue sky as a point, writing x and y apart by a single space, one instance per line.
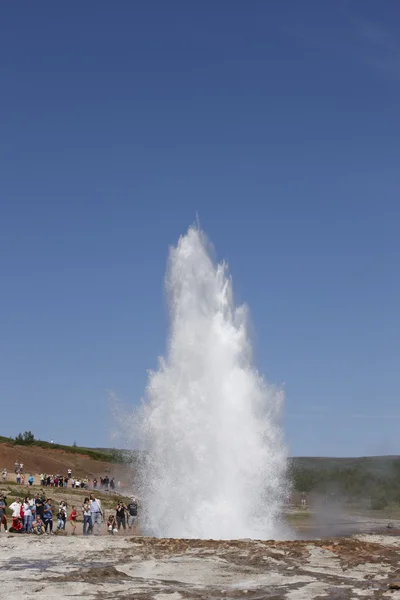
279 123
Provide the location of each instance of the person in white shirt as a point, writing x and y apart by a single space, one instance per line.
16 508
28 514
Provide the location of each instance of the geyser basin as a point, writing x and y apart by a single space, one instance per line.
215 460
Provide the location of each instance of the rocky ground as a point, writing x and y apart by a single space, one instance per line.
144 568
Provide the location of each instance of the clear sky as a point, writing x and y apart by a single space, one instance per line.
279 123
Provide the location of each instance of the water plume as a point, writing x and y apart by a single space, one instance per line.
214 461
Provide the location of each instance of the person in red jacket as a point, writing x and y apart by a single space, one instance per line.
72 519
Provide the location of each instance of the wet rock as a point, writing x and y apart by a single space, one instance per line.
394 585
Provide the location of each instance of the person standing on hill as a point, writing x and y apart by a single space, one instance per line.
96 512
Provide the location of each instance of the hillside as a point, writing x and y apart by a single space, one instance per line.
373 479
42 457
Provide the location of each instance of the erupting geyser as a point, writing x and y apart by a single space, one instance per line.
215 461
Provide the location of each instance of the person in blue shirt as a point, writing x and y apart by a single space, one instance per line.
48 516
96 512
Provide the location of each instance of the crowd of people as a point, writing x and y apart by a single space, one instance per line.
34 515
58 480
105 483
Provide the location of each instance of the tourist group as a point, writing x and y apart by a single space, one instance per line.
35 515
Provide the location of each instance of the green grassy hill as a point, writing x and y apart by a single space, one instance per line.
105 454
373 479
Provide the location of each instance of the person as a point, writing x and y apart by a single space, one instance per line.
38 526
69 473
96 512
48 516
3 509
61 516
16 466
16 525
15 507
72 519
112 525
94 483
4 474
87 517
39 502
31 479
18 477
21 468
33 504
132 512
27 508
120 514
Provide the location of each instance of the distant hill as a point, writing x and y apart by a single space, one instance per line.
371 479
374 464
375 479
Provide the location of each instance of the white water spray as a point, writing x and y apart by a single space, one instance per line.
215 462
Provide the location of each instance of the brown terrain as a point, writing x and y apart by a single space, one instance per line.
54 461
363 563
